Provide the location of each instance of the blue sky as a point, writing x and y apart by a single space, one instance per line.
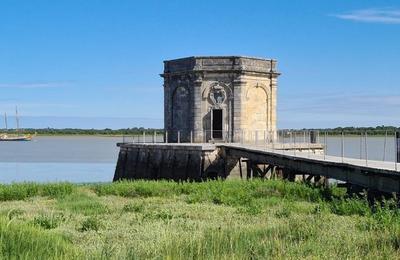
96 63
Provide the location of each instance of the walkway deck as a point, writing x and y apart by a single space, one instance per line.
154 160
378 175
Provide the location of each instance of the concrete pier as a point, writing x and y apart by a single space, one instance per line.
197 162
194 162
184 161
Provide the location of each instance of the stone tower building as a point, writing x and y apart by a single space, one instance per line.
220 98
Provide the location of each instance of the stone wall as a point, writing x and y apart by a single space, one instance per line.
194 162
243 88
172 162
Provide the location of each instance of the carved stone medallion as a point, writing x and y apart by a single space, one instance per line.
217 95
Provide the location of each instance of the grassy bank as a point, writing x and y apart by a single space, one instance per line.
212 220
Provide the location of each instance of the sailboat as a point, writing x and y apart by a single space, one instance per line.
17 136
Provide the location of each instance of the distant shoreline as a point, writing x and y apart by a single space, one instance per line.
139 131
77 135
321 135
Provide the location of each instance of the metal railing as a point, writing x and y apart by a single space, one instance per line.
367 148
205 136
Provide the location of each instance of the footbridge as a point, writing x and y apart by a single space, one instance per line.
375 175
196 161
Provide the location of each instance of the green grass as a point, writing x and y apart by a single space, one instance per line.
27 190
49 221
81 203
210 220
91 223
23 241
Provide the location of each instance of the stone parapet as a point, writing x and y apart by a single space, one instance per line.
220 63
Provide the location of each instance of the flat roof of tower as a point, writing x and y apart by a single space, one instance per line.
222 57
220 64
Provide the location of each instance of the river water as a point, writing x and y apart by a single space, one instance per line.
83 159
65 158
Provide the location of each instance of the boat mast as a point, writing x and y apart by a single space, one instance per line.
17 119
5 120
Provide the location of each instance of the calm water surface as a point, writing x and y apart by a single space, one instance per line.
93 159
50 159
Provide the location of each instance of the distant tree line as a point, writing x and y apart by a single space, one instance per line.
77 131
378 130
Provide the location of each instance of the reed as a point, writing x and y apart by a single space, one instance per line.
212 220
24 241
21 191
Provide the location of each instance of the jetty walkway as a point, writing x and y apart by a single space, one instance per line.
377 175
196 161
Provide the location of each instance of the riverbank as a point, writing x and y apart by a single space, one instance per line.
213 220
378 131
86 132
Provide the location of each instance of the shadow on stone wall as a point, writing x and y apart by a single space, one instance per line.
172 162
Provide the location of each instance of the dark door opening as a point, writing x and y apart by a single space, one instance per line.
217 123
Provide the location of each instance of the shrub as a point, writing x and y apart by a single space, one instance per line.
284 212
385 216
251 209
350 206
91 223
321 208
133 207
49 221
165 215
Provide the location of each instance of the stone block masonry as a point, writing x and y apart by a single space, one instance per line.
179 162
169 161
219 98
